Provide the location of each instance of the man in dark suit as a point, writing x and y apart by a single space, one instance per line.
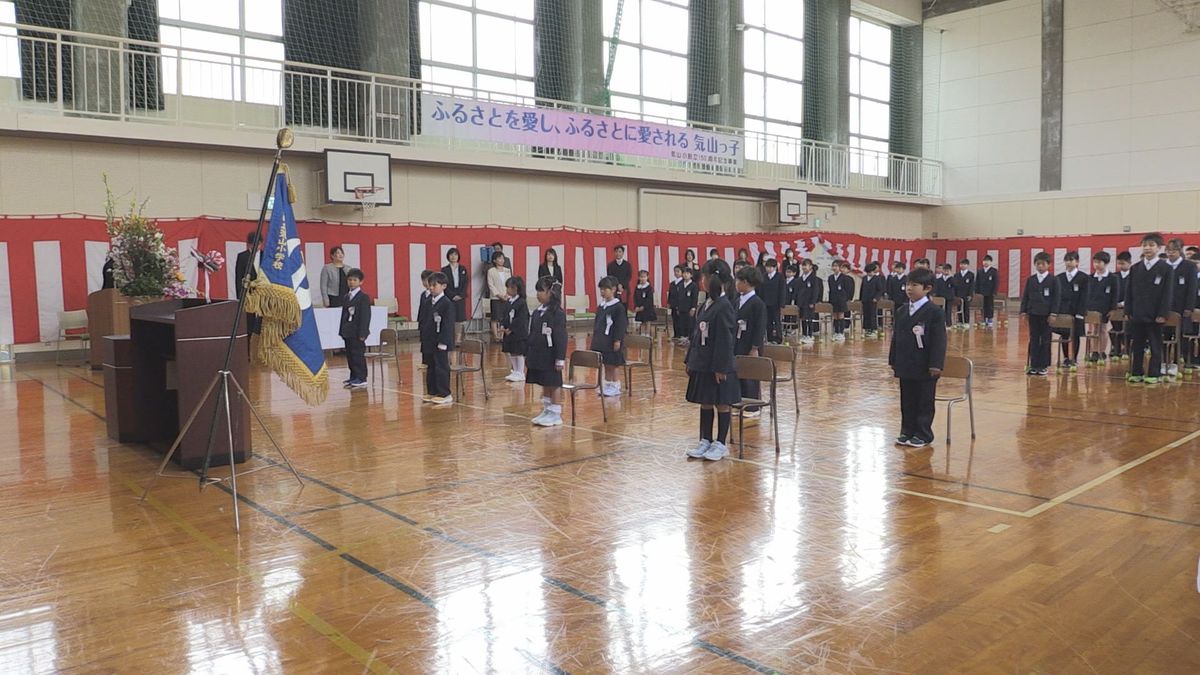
917 356
244 264
620 269
354 329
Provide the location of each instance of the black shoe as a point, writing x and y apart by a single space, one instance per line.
915 442
902 440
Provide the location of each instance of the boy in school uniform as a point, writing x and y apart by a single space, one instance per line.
944 289
772 293
1039 301
923 264
809 292
673 300
354 328
437 341
1147 303
1120 347
869 293
963 284
1102 293
1183 297
1072 300
608 334
790 284
839 298
689 293
917 355
751 329
896 283
987 282
422 309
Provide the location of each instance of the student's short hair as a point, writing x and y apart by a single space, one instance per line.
789 268
641 272
771 262
1152 237
947 267
809 262
1103 257
335 249
837 263
1125 256
1072 255
713 251
1042 257
678 268
988 258
899 264
354 273
425 274
921 276
250 238
749 274
964 261
608 282
687 269
517 283
1194 249
438 278
619 247
739 264
872 267
1175 242
923 261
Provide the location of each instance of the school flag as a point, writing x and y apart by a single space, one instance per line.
288 343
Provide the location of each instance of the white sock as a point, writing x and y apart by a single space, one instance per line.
512 363
546 403
556 409
518 363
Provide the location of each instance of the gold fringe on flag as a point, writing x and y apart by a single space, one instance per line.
280 313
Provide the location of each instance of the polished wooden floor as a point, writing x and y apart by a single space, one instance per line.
461 540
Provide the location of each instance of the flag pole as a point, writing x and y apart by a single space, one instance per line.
283 140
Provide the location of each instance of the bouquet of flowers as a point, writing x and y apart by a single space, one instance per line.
206 264
142 262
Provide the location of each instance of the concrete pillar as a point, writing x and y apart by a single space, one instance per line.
907 88
715 63
97 73
388 41
568 39
826 87
1052 95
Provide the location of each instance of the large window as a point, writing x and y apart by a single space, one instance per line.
250 28
870 96
773 53
650 70
480 45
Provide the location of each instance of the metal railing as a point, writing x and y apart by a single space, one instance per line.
85 75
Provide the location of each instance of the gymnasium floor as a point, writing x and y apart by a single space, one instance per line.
460 540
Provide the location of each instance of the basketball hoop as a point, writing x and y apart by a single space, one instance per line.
367 197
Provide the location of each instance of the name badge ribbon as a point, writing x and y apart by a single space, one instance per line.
548 332
919 332
703 333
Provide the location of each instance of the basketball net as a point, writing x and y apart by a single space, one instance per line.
367 197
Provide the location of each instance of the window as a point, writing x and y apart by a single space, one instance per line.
10 61
650 70
212 37
773 56
496 62
870 96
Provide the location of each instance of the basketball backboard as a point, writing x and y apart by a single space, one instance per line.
346 171
793 206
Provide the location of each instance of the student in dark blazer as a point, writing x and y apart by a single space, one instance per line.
869 293
644 311
810 290
1039 302
1120 347
1147 303
620 269
437 341
896 282
1072 300
917 356
514 326
355 327
689 297
987 283
673 299
1102 295
943 287
963 284
841 292
712 377
608 334
1183 298
772 293
457 284
751 331
550 266
546 351
791 284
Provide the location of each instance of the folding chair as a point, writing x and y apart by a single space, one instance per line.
645 345
856 317
1000 309
1171 345
761 369
72 325
959 368
789 318
1062 322
583 358
1113 334
887 314
1193 349
460 369
375 357
393 310
1093 322
977 310
824 312
785 360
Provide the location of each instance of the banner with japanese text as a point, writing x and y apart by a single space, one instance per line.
466 118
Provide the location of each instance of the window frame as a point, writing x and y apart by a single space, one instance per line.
641 48
475 70
859 160
761 150
239 62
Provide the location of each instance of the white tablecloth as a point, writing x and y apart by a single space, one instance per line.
329 318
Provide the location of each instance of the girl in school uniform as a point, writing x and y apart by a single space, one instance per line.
608 334
514 324
712 378
546 350
643 302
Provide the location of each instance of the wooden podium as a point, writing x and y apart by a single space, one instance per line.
108 314
175 349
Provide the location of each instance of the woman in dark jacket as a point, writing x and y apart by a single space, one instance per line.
550 266
457 284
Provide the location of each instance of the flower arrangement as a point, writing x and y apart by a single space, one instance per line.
206 264
142 262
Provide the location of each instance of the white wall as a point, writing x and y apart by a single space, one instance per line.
983 98
52 176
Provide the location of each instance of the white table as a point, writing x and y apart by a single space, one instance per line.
329 319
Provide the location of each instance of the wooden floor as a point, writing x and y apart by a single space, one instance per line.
460 540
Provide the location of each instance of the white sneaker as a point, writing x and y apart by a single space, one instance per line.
538 420
752 414
442 400
514 376
716 451
700 449
610 389
1173 370
549 419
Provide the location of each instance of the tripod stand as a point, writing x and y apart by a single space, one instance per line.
224 377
